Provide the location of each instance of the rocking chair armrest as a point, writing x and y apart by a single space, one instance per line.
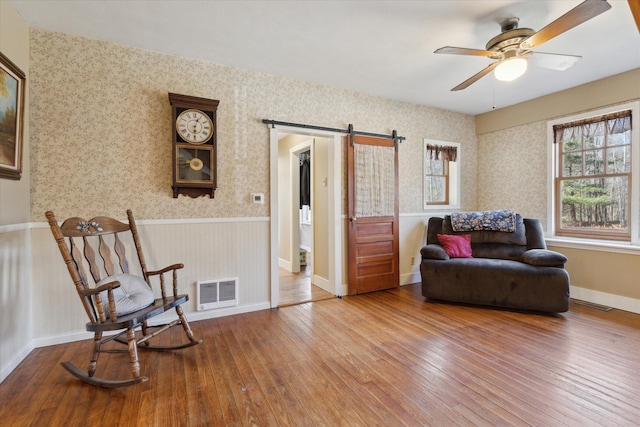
111 285
173 268
166 269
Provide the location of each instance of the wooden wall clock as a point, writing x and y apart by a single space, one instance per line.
194 145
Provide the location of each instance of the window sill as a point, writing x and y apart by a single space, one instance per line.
594 245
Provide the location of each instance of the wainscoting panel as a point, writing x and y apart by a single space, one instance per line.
209 250
412 238
15 297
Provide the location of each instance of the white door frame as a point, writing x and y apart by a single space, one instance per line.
335 198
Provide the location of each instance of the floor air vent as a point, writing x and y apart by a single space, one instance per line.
217 293
593 305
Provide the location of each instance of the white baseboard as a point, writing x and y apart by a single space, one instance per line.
408 279
283 263
166 317
610 300
62 339
13 364
322 283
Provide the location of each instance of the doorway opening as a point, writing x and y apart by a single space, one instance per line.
300 219
306 239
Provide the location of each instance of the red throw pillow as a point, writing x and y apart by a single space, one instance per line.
458 246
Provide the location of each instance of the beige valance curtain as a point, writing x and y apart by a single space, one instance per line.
374 180
446 152
613 123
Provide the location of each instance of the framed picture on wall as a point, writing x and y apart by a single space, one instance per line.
12 81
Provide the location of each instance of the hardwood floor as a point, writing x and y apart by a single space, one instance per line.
385 358
296 288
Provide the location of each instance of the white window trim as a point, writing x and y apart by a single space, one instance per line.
455 177
597 244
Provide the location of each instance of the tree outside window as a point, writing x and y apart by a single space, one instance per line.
593 180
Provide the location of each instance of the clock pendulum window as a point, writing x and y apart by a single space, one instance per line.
194 140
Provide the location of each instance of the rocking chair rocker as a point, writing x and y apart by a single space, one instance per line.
118 303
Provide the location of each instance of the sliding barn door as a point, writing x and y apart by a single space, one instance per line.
372 173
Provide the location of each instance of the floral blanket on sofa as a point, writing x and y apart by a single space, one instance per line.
498 220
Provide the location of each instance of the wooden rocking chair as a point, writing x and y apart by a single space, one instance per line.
117 303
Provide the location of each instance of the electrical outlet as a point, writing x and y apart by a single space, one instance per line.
413 260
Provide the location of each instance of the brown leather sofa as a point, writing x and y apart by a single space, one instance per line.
509 270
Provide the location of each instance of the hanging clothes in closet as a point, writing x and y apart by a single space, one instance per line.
305 179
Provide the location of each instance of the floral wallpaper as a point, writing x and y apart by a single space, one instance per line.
101 132
512 170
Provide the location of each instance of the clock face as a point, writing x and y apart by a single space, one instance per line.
194 126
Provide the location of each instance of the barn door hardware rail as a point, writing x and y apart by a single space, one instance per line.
352 132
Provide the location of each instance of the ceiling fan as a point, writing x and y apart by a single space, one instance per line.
513 47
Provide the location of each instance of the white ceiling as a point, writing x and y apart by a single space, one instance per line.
383 48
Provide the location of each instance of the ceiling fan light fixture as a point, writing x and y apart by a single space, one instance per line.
510 69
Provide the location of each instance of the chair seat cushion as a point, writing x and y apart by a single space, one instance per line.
132 295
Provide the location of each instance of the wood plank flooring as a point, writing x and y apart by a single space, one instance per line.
387 358
296 288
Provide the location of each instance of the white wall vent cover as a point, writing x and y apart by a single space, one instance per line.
217 293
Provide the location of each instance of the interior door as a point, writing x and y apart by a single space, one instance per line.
372 176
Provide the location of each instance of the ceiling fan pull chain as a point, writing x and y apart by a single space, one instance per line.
494 92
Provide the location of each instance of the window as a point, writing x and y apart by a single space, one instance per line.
594 174
436 181
441 175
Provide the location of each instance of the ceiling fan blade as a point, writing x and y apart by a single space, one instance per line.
583 12
471 80
553 61
465 51
634 5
